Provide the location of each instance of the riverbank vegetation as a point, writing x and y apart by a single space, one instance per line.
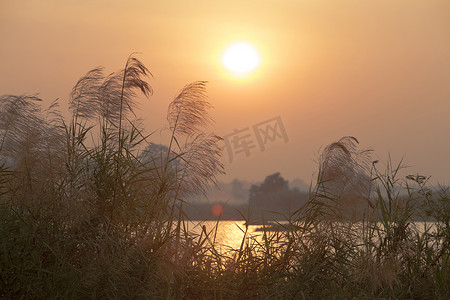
89 209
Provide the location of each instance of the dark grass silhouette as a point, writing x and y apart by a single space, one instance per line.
88 210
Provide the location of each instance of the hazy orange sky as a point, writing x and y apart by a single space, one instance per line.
377 70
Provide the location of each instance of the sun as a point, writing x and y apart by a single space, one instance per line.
240 58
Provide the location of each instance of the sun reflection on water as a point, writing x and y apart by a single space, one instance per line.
229 234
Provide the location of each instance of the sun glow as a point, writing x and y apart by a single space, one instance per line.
241 58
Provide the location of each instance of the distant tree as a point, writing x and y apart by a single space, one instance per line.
299 184
154 152
238 191
274 195
272 184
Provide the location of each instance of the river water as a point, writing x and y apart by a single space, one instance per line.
228 233
231 233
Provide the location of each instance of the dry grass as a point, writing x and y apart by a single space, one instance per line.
88 210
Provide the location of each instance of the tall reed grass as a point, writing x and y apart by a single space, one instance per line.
90 209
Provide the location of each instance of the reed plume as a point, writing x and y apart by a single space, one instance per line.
28 133
19 119
111 97
84 98
188 112
199 156
345 172
202 162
